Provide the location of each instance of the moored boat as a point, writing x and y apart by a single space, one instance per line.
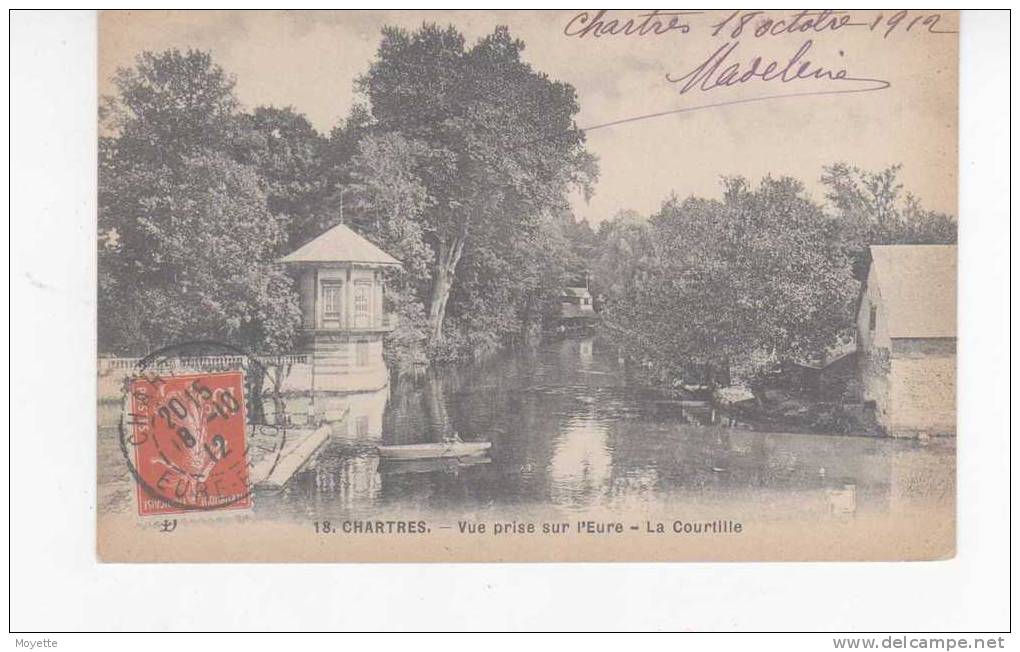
433 450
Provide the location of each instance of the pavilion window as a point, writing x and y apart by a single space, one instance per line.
362 304
332 300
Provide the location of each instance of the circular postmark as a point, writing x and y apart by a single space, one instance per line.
194 432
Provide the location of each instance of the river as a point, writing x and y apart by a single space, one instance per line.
570 436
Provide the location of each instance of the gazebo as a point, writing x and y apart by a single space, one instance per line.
340 279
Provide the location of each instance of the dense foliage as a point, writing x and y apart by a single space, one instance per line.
480 151
458 162
187 238
719 283
710 292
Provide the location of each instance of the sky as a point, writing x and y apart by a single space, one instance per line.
309 61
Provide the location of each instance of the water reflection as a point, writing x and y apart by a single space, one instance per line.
568 433
355 480
363 416
581 466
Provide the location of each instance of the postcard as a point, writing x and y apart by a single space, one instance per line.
527 286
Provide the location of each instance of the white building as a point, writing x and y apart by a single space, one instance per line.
340 278
906 330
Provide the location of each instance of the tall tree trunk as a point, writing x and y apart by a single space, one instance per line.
442 282
256 410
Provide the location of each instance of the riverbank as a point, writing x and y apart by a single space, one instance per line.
737 405
801 413
777 407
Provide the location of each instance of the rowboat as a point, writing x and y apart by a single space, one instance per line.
433 450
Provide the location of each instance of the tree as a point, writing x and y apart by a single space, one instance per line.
388 199
186 238
289 156
196 262
511 280
492 140
732 285
170 105
622 253
386 202
872 208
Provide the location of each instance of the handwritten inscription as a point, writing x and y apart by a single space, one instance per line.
654 23
758 23
722 69
718 71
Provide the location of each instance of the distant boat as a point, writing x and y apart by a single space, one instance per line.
433 450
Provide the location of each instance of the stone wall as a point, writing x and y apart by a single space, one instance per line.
922 396
874 352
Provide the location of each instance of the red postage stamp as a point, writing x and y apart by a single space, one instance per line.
189 440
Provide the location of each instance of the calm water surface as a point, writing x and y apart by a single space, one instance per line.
570 435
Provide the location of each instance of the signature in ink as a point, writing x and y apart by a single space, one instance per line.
720 71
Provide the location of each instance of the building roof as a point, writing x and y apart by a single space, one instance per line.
918 288
575 292
340 245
